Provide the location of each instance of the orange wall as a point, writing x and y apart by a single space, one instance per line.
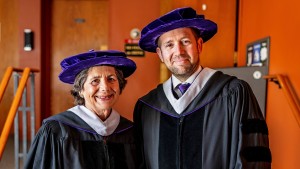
258 19
124 16
280 20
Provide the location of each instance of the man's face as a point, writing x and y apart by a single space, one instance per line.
180 50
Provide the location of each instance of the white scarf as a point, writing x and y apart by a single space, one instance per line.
104 128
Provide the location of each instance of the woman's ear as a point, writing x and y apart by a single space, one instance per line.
80 94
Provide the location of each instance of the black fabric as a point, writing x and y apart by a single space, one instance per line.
255 126
182 143
215 131
254 154
66 141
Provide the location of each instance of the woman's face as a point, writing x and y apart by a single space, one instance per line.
101 89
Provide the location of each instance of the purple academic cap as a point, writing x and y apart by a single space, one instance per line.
73 65
178 18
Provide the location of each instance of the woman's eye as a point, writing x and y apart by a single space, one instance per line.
95 82
111 79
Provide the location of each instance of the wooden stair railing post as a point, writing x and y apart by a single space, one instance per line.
13 110
5 81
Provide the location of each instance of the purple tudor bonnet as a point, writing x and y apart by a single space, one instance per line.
178 18
73 65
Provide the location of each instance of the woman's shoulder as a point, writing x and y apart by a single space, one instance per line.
125 124
64 122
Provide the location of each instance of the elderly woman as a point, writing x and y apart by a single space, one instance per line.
92 134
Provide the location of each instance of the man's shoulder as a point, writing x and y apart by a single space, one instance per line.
228 83
222 78
154 92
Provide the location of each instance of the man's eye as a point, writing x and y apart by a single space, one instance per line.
186 42
169 45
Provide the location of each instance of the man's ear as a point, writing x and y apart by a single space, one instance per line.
199 44
158 51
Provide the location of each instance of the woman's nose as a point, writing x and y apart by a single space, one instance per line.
104 85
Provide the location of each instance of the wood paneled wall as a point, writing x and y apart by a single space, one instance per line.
9 40
76 27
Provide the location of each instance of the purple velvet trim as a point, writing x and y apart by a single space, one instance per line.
70 61
78 128
200 107
71 66
90 131
120 131
178 18
186 114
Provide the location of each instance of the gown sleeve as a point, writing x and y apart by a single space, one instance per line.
253 142
44 152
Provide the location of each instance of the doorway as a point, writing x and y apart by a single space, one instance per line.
76 27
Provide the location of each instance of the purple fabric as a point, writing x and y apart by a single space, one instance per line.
183 87
73 65
178 18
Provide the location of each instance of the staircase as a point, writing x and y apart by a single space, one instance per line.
19 110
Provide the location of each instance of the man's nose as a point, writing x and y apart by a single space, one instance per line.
178 49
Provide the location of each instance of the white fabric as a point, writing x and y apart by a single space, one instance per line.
104 128
190 80
197 85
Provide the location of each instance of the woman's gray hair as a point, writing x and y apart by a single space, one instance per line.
81 79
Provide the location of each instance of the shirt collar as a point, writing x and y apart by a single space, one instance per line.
179 105
176 82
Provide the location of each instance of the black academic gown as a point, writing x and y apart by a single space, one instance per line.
65 141
221 128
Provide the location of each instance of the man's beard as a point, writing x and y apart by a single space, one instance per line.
184 73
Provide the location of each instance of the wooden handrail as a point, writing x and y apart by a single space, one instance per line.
291 96
5 81
6 78
15 103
